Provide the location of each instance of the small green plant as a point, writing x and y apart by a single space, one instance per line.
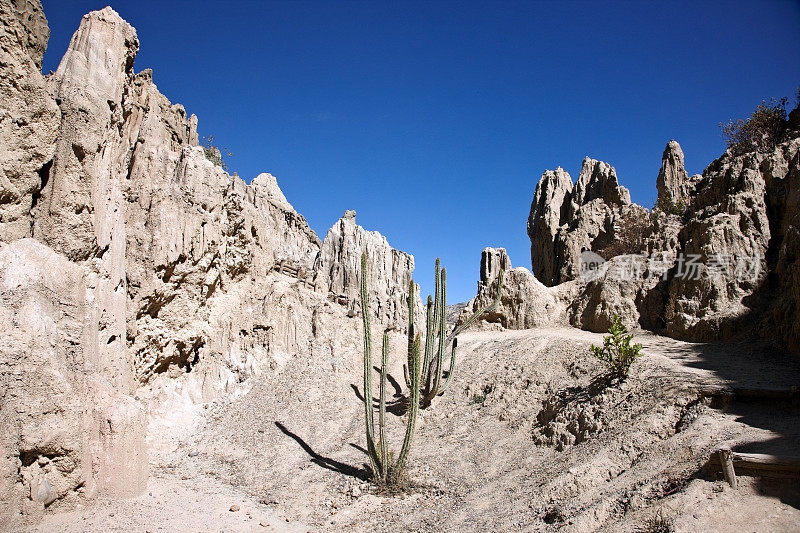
617 353
425 378
214 153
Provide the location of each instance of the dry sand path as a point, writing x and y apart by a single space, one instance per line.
521 442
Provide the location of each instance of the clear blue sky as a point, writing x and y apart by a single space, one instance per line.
435 120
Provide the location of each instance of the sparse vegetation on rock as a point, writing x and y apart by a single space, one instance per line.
214 153
631 231
761 132
669 207
617 353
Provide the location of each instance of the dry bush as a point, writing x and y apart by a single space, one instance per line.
214 153
630 234
762 132
658 524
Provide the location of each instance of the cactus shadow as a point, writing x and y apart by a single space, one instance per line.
360 448
325 462
398 406
398 390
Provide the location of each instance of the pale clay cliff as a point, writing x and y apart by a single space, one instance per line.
737 222
136 275
134 272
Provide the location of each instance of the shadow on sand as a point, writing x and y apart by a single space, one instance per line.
398 406
325 462
763 382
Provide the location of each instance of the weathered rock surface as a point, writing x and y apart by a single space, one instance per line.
728 224
629 286
162 275
524 301
674 185
338 271
28 115
66 432
565 220
549 212
717 257
31 17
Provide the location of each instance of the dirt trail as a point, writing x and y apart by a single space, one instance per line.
525 439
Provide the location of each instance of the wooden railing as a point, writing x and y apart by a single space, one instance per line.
306 278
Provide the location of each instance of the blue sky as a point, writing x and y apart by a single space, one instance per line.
435 120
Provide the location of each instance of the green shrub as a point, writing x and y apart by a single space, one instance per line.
617 353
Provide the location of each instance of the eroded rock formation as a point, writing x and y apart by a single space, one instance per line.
66 432
565 220
673 184
525 302
29 117
716 258
133 269
338 264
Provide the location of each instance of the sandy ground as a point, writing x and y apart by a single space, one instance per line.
525 439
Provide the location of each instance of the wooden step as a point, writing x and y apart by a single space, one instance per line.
759 464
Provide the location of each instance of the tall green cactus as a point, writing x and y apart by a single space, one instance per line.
383 469
437 338
423 376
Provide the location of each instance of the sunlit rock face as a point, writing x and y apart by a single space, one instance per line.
29 117
525 302
716 257
673 184
389 271
566 219
138 273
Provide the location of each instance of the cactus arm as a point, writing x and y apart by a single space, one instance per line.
433 374
442 333
477 314
427 369
368 409
432 321
411 328
452 368
413 406
383 447
429 327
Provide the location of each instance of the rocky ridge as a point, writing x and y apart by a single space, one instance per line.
525 302
157 277
716 257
